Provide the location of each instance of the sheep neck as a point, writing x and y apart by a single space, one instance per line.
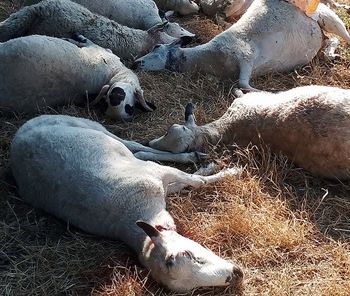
137 239
234 125
206 58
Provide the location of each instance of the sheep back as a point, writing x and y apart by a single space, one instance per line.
36 71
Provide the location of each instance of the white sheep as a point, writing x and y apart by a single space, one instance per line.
72 168
234 9
60 18
272 35
138 14
231 9
183 7
38 71
310 125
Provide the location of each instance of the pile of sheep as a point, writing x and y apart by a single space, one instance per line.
57 52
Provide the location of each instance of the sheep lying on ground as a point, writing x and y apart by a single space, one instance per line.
71 168
180 6
59 18
272 35
234 9
138 14
38 71
309 124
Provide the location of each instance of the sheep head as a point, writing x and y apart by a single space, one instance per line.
119 100
182 264
163 56
185 7
180 138
175 30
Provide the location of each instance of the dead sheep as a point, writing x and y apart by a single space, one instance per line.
38 71
71 168
310 125
61 18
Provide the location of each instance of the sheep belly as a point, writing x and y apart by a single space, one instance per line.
84 177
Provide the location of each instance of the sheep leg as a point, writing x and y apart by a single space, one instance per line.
156 155
332 45
246 70
180 179
147 153
330 22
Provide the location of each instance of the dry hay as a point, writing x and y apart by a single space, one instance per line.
288 230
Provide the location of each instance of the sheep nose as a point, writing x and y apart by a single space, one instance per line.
136 65
236 276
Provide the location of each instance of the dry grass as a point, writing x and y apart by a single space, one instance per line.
288 230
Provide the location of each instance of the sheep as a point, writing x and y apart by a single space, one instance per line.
182 7
309 124
38 71
71 168
138 14
59 18
234 9
272 35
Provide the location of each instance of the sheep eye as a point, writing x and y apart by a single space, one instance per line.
190 255
170 261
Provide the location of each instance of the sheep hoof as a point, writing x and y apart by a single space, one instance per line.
238 93
200 156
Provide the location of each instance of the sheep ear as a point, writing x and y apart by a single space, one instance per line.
141 108
162 15
157 27
141 100
169 13
151 231
165 15
189 117
102 92
186 40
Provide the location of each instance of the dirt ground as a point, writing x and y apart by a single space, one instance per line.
288 230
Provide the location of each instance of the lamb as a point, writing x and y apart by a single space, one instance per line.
183 7
38 71
60 18
310 125
138 14
71 168
272 35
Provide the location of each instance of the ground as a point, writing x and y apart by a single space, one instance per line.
288 230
